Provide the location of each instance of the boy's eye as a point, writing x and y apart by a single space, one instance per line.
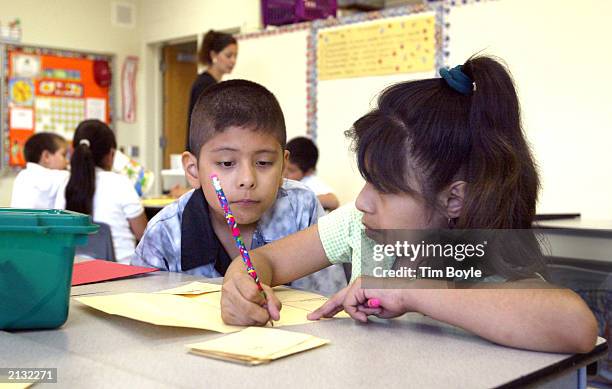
264 163
225 163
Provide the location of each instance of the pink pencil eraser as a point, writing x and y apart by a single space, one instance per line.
373 303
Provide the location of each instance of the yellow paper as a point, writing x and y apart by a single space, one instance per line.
157 201
400 45
201 311
256 345
193 288
15 385
161 309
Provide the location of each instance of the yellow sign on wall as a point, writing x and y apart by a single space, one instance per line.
404 45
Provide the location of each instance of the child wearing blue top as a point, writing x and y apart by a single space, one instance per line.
238 132
438 154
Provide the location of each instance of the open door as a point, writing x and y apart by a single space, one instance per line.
180 69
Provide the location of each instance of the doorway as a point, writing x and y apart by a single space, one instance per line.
179 68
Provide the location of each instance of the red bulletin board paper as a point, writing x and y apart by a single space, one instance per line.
64 89
90 272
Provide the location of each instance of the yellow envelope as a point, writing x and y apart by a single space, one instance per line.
161 309
201 311
256 345
193 288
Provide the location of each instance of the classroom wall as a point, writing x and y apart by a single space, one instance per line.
559 57
175 21
264 60
339 104
86 25
76 25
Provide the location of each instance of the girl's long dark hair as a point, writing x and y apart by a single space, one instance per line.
427 133
93 141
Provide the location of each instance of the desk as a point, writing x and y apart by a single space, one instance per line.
155 204
94 349
589 241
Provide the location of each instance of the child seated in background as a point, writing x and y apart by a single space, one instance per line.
37 185
303 156
238 132
95 190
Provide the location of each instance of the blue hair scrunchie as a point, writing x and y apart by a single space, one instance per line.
456 79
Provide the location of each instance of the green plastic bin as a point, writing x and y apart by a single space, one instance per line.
36 259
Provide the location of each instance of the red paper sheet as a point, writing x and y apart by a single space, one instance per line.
97 270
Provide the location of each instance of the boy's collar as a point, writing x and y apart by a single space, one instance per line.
199 243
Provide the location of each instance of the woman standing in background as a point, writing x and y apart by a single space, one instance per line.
218 53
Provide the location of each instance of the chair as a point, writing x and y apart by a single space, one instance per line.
99 245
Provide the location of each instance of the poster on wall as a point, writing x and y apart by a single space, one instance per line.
401 45
50 91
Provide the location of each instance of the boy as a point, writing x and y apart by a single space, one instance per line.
36 186
303 156
238 132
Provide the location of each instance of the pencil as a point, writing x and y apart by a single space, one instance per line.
231 222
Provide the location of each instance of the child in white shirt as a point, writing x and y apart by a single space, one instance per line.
37 185
95 190
303 156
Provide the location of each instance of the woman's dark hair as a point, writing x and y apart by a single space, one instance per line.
214 41
424 135
93 141
37 143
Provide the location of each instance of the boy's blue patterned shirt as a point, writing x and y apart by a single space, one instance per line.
295 208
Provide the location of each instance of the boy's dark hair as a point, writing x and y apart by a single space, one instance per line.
239 103
40 142
214 41
303 152
93 140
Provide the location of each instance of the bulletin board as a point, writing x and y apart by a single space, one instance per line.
49 90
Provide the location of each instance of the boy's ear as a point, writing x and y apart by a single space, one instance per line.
285 162
453 198
44 157
190 166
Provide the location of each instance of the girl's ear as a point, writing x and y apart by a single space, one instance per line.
453 198
190 166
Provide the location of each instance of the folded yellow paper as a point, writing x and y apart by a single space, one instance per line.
193 288
256 345
201 311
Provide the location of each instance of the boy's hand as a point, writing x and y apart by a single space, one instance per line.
243 304
354 300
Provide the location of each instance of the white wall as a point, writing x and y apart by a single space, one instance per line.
559 57
278 62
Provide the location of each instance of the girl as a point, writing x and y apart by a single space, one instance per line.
37 185
439 153
94 190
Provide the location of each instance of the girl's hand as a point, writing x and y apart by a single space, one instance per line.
243 304
354 300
